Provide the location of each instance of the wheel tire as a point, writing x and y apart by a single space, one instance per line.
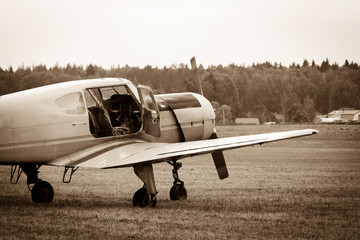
141 198
42 192
178 192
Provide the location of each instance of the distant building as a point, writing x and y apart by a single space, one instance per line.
247 121
339 116
269 123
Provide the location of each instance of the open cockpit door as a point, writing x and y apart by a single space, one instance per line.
150 111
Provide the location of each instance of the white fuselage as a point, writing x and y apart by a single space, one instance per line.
36 127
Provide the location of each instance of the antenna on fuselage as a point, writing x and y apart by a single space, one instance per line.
196 75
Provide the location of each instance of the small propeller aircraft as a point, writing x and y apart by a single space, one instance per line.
109 123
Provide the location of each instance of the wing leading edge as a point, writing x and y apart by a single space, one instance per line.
126 153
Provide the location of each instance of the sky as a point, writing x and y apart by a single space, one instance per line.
162 33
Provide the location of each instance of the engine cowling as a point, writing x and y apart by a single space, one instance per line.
193 112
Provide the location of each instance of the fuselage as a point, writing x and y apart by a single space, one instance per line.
46 123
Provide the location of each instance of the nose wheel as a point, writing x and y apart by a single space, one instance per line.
42 192
178 190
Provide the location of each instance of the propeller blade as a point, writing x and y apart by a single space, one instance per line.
219 161
197 76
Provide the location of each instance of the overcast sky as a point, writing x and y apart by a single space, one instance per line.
162 33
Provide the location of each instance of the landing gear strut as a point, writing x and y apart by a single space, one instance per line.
178 190
42 191
145 196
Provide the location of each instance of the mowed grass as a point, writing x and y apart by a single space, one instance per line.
295 189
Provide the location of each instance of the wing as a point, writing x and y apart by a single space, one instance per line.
126 153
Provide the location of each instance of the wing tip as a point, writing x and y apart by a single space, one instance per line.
314 131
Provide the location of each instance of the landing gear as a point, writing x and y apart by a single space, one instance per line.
42 191
178 190
145 196
143 199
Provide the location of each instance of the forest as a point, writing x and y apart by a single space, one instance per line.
270 92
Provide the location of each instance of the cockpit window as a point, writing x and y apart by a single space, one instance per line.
96 94
90 102
121 90
72 103
109 91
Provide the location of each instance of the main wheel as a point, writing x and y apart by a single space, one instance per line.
142 199
178 192
42 192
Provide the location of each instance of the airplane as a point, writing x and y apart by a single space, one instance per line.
110 123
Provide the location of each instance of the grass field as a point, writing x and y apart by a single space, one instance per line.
295 189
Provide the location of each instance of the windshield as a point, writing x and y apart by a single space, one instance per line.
107 92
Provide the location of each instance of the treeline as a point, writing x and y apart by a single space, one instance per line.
265 90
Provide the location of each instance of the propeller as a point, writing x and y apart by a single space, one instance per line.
217 155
